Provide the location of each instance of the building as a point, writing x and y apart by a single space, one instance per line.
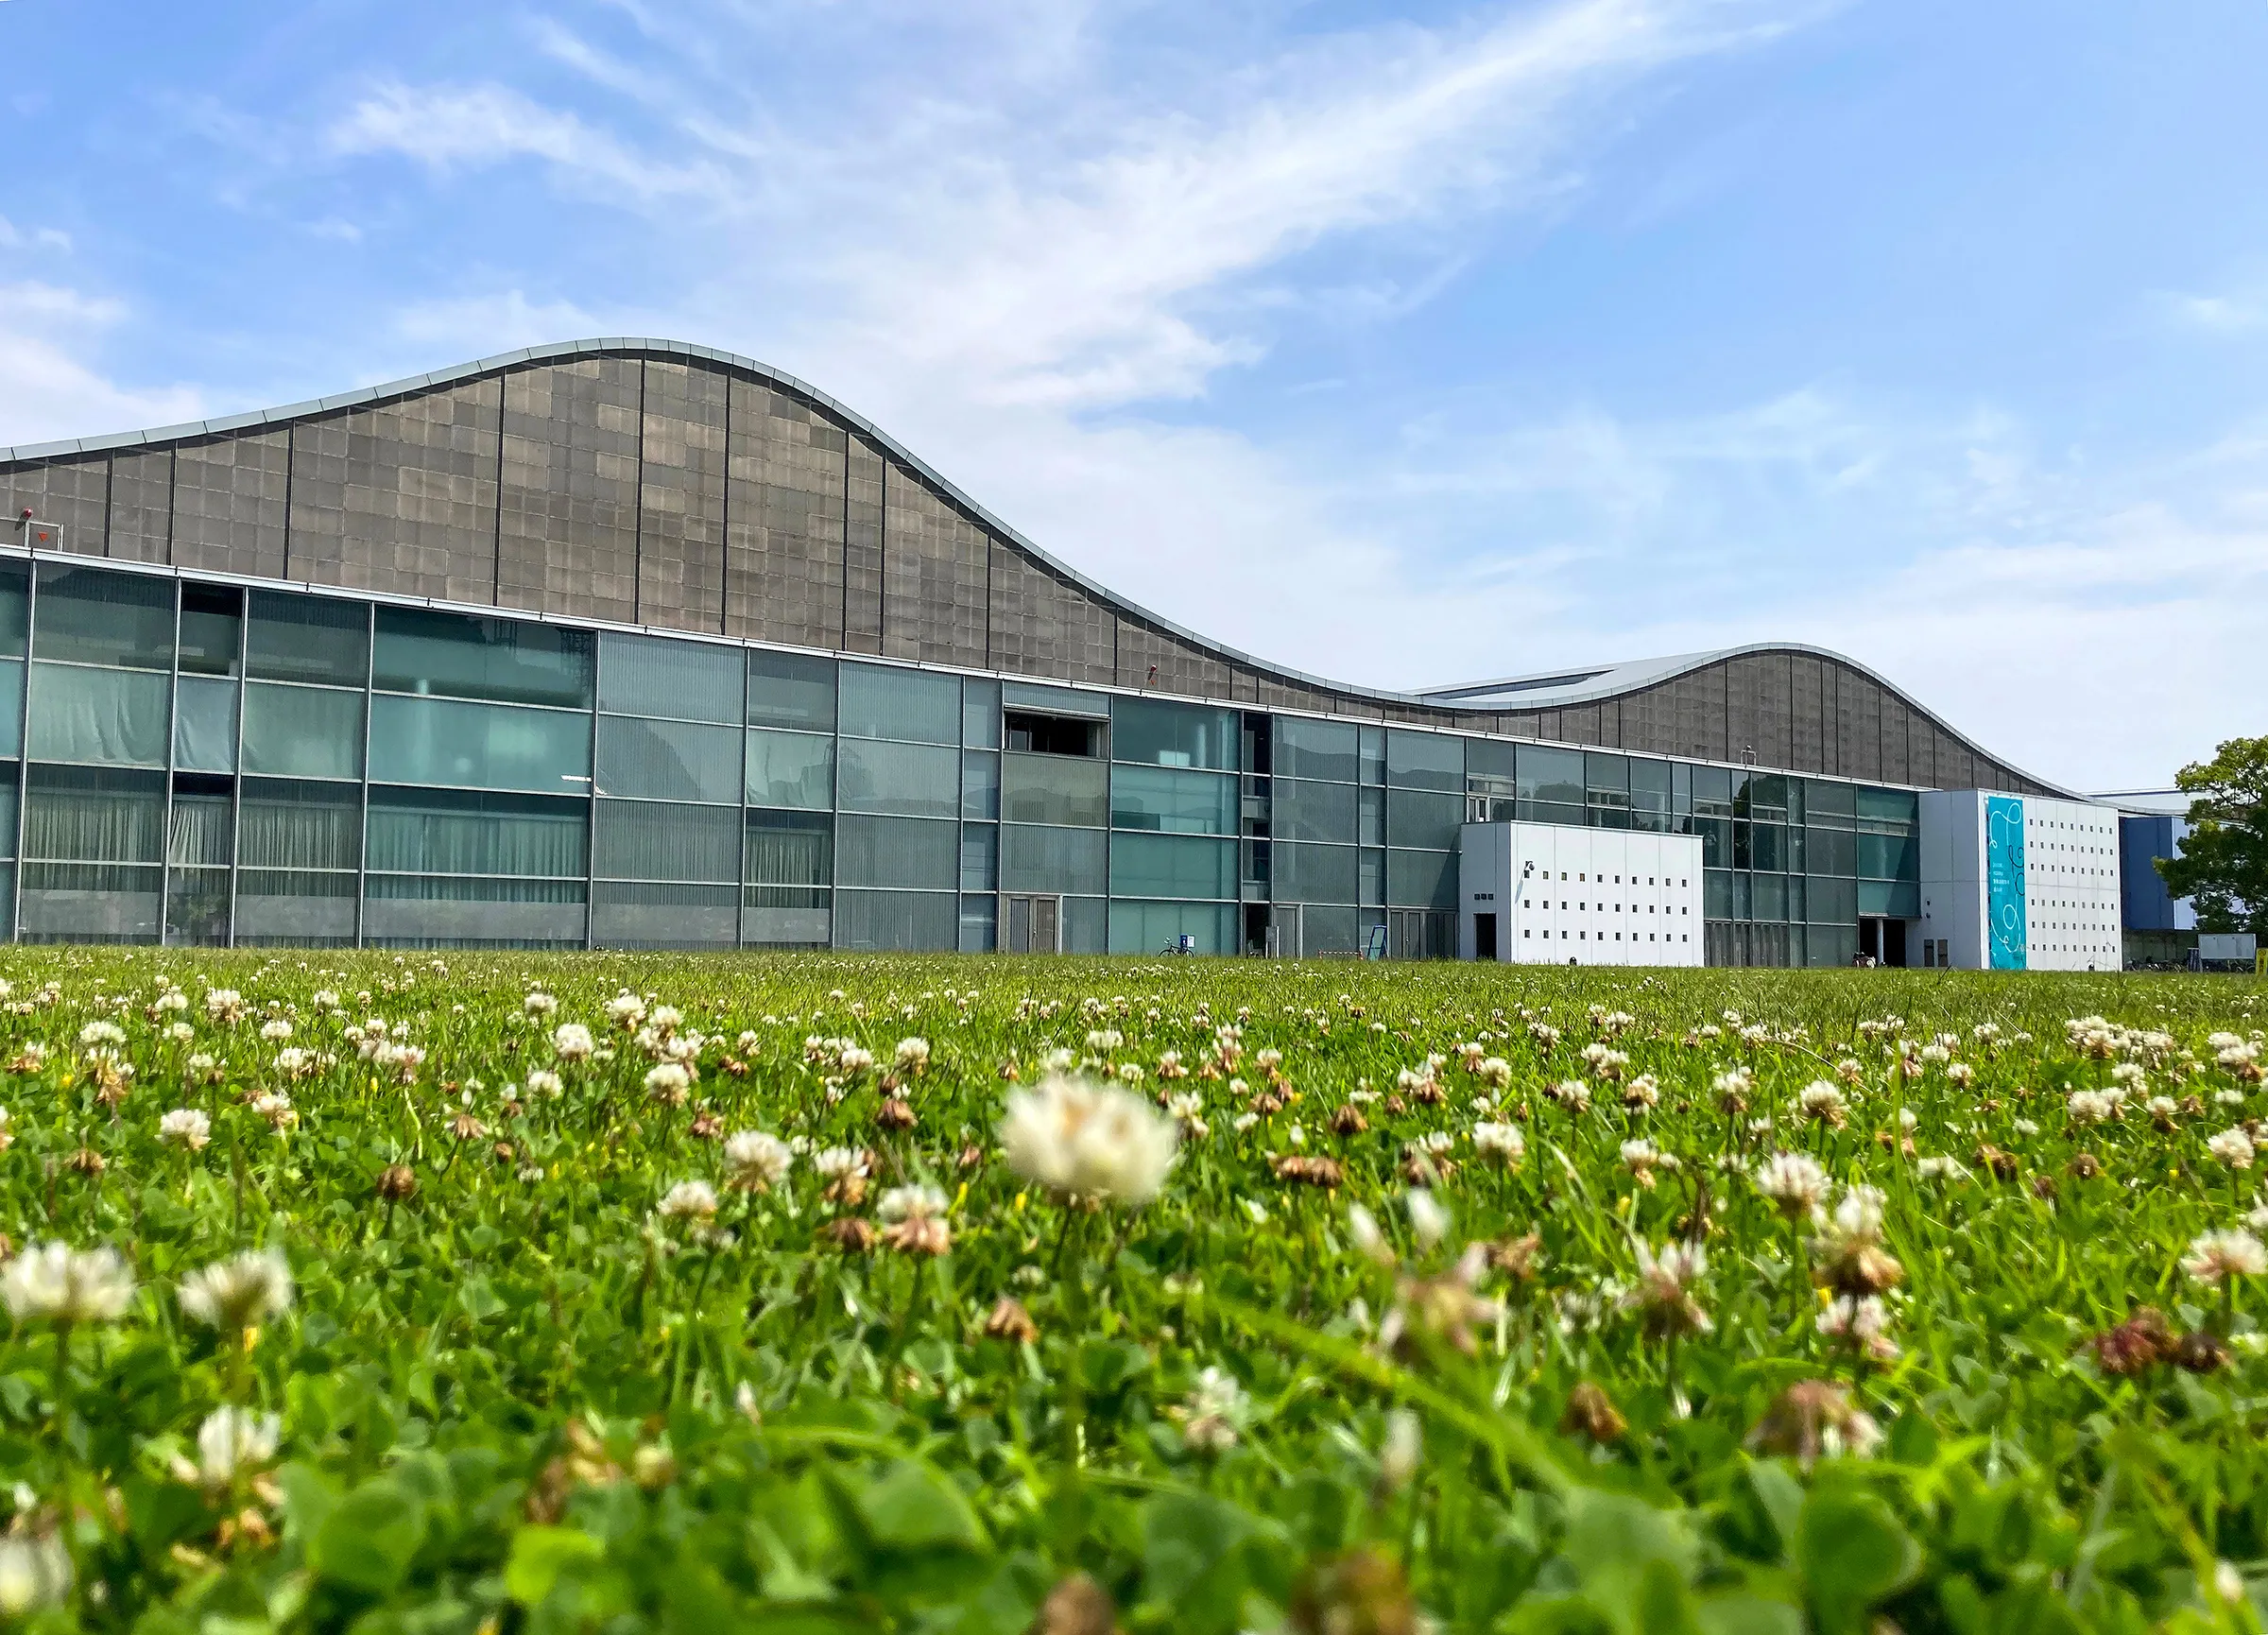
632 643
2160 928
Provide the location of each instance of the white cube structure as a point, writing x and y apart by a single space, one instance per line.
1542 894
2018 883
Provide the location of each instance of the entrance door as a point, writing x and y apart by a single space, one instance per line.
1034 926
1484 936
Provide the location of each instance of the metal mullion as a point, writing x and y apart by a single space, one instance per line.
598 663
244 644
362 841
173 705
31 620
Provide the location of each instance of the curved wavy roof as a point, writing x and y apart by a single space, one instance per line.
1556 705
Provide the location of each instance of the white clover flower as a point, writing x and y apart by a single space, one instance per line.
668 1081
755 1160
840 1162
854 1060
913 1203
689 1200
1369 1241
1502 1141
1429 1217
97 1034
53 1282
180 1032
1821 1100
1663 1289
185 1127
2025 1127
233 1443
35 1573
572 1041
2232 1146
1938 1167
1088 1141
174 1000
239 1292
545 1082
1864 1321
539 1005
1215 1411
2093 1106
912 1055
1794 1181
626 1011
275 1029
2215 1255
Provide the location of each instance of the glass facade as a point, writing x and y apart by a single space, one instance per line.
206 764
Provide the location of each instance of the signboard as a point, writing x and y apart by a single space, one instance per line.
2233 946
1377 949
2007 935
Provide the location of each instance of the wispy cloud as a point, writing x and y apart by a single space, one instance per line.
48 334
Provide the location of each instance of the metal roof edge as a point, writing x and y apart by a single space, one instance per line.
642 346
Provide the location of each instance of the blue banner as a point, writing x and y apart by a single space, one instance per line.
2006 936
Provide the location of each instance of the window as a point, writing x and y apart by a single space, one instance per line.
670 760
1149 733
652 841
791 690
1053 789
463 831
99 716
1323 750
1309 811
302 732
314 639
914 706
1173 803
682 680
1057 860
212 630
88 616
440 741
1172 866
913 780
1425 761
459 656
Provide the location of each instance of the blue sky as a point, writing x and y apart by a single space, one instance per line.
1408 344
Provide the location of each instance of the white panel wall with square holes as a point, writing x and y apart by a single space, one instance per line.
1552 895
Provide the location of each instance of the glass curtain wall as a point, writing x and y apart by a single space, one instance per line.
898 802
1174 803
788 830
667 824
203 764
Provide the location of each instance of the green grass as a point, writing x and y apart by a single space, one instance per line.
519 1398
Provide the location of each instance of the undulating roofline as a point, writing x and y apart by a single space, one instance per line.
1538 691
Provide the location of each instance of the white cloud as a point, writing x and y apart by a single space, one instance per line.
449 128
47 387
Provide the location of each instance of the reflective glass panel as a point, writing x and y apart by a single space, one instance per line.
204 724
91 617
914 851
111 717
913 780
669 760
1830 806
909 922
980 714
1551 777
1055 789
791 690
1053 859
302 732
12 709
790 769
1425 761
1155 927
656 840
980 785
1313 873
789 848
1171 866
479 746
317 639
980 857
1173 803
1305 749
465 832
1433 822
94 814
917 706
15 608
1162 735
1421 879
461 656
292 825
686 681
1306 811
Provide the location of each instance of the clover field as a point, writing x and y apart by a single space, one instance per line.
495 1292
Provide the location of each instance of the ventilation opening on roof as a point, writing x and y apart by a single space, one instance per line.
1533 684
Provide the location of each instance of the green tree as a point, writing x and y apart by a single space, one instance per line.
2223 864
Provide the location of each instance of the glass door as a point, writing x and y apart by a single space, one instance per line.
1033 925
